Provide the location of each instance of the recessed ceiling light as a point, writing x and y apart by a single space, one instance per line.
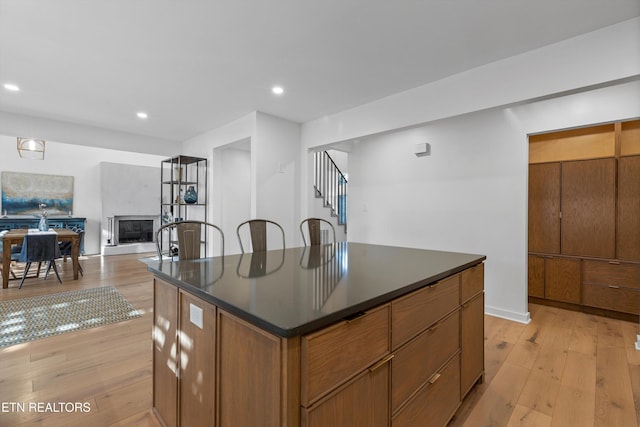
11 87
142 115
278 90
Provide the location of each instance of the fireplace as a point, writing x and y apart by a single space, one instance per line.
135 231
131 229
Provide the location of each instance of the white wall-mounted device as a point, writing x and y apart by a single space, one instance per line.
422 149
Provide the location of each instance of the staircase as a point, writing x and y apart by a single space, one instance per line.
330 185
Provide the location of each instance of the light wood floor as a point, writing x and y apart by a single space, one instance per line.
563 369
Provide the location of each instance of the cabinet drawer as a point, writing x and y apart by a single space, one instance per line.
416 362
616 299
417 311
626 275
333 355
436 402
471 282
363 401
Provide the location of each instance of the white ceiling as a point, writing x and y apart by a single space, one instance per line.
194 65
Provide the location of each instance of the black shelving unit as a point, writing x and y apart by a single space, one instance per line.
178 175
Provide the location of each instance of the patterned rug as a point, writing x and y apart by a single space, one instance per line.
29 319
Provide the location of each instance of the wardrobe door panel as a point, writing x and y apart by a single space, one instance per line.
628 232
544 208
589 208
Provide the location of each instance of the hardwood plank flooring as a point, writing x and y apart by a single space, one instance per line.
109 367
562 369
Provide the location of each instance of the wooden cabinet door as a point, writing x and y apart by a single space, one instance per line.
628 231
197 356
471 343
536 276
165 342
544 208
361 402
589 208
250 379
562 279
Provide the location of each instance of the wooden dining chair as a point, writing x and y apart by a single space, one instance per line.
258 234
320 231
189 236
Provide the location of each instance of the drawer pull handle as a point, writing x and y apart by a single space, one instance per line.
354 316
434 378
382 362
614 262
433 328
614 286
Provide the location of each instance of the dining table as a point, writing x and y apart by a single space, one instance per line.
16 237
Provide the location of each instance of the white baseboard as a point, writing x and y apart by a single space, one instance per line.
129 248
509 315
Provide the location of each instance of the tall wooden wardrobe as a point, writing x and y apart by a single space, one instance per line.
584 219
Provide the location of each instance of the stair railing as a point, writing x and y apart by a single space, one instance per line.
331 185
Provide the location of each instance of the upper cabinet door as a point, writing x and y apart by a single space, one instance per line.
589 208
544 208
628 232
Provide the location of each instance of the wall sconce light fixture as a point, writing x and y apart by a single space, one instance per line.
29 148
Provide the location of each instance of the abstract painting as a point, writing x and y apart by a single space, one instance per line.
22 193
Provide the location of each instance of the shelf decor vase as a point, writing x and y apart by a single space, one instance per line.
191 196
43 224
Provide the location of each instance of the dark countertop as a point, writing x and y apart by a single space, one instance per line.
299 290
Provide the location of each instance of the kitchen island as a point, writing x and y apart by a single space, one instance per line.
342 334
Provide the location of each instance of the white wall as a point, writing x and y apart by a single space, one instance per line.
83 163
276 152
341 159
234 191
128 190
274 172
205 145
470 195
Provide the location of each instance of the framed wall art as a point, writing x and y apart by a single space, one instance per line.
22 193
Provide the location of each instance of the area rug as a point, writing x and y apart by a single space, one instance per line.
29 319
